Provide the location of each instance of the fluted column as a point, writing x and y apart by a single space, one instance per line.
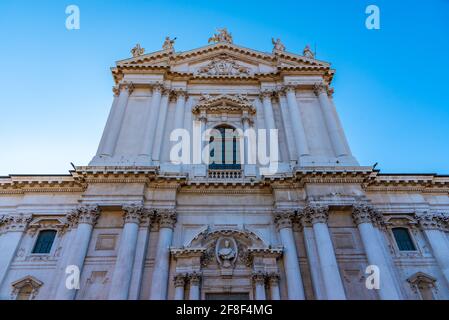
86 217
273 280
180 282
161 123
179 109
364 216
115 120
259 284
295 286
268 110
121 279
328 262
312 256
302 146
194 279
286 122
12 229
331 121
432 226
159 282
151 117
249 155
198 147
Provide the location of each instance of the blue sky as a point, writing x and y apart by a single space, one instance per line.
391 85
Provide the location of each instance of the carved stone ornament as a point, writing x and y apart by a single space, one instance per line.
137 51
431 221
284 218
85 214
319 88
168 43
259 278
226 252
194 278
166 217
237 104
363 213
222 36
48 222
179 280
318 213
133 213
223 65
278 45
14 223
308 53
26 281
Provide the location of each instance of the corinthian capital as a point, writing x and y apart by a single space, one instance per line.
167 218
87 214
319 88
179 280
283 218
266 94
431 221
317 213
259 277
133 213
128 86
157 87
14 223
194 278
362 213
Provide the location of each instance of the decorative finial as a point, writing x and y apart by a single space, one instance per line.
308 53
278 45
222 36
168 43
137 51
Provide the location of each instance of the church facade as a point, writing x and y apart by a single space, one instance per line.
224 173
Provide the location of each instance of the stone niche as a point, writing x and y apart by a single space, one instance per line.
226 259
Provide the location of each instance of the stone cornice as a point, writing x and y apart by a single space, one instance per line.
427 183
161 61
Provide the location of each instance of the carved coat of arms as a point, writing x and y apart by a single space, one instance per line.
223 65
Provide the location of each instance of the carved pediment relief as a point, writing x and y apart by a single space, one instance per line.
223 65
224 104
41 223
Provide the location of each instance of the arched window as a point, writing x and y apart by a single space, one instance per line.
224 148
44 241
403 239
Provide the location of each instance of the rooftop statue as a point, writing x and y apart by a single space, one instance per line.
168 43
278 45
222 36
137 51
308 53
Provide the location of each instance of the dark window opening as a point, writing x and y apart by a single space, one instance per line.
44 241
403 239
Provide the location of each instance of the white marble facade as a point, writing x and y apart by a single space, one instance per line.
139 225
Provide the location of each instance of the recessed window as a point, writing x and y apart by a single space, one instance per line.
25 292
403 239
44 241
224 149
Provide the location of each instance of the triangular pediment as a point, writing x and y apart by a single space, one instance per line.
221 59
